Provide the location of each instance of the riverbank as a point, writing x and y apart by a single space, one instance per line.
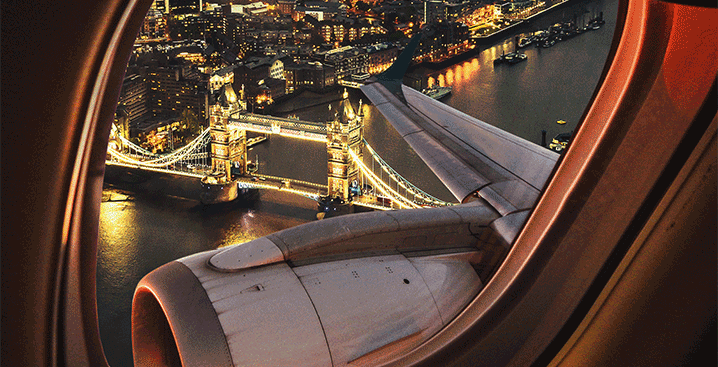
522 25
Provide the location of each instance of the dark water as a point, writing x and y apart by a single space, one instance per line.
149 219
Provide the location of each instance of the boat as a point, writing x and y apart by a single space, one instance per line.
561 122
437 92
559 142
523 42
511 58
596 22
517 58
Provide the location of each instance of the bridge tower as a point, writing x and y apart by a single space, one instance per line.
345 132
229 146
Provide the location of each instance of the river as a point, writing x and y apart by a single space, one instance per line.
148 219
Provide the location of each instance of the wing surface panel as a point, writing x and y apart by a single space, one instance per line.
466 154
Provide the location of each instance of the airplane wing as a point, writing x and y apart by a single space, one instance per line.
468 155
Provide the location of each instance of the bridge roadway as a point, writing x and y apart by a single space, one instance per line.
307 189
293 128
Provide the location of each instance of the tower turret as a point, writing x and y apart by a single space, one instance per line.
344 132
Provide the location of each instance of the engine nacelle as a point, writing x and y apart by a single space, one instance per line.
345 298
356 311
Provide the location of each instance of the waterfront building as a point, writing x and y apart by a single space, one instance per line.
269 90
311 75
276 68
249 73
380 56
454 11
220 77
346 61
480 14
255 69
450 39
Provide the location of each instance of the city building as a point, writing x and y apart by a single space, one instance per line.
200 25
286 7
346 61
270 89
173 89
184 6
434 10
449 40
380 56
220 77
319 10
162 6
154 25
134 99
308 75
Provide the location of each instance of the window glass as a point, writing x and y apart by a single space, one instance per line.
199 70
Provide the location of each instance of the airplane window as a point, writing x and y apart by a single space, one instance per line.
238 121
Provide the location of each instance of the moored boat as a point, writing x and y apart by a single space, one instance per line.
437 92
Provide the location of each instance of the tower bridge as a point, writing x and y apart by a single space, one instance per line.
219 158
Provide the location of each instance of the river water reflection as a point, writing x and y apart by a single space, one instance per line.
149 219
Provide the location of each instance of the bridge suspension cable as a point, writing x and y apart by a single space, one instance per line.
410 188
129 144
165 160
401 200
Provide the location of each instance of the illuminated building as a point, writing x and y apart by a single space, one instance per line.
153 25
185 6
254 70
134 98
220 77
308 75
122 121
236 28
249 7
162 6
286 6
450 39
269 90
319 10
346 61
175 89
196 25
434 10
380 56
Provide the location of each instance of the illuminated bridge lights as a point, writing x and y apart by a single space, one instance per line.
192 160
